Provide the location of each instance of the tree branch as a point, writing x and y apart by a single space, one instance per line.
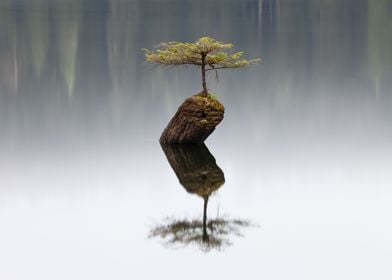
217 68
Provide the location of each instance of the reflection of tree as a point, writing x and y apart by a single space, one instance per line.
121 38
199 174
38 34
379 41
68 36
215 234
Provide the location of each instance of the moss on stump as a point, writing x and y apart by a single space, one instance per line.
194 121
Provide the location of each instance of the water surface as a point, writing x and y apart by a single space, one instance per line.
302 159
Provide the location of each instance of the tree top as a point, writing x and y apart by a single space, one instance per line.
204 51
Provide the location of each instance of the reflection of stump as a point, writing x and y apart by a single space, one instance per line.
195 168
194 121
199 174
197 171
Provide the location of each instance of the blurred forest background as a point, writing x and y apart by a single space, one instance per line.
76 68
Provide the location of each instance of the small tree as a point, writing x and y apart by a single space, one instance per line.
207 53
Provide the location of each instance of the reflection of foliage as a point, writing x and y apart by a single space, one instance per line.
379 39
121 36
177 233
38 30
68 30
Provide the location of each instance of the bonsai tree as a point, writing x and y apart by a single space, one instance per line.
206 53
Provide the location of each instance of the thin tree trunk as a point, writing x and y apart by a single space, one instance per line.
205 234
203 75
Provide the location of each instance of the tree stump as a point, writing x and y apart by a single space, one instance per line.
194 121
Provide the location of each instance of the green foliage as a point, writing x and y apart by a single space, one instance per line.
178 53
206 52
212 96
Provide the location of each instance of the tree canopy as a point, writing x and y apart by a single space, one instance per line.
207 53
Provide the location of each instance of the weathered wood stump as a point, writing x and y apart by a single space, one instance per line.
194 121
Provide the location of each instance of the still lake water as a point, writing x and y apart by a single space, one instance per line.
301 163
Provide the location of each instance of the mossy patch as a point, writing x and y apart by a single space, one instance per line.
210 100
